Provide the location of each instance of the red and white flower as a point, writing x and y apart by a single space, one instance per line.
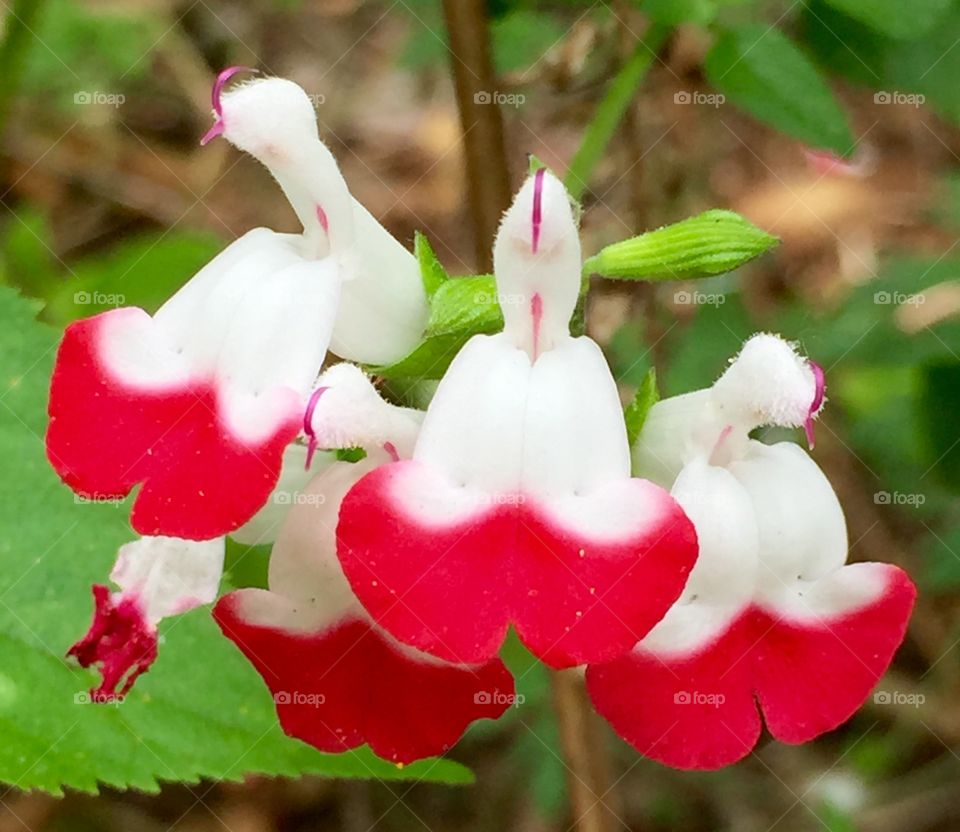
339 680
158 577
197 402
518 506
772 620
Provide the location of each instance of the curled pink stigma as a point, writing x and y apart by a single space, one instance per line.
391 449
308 424
820 388
322 218
537 217
218 85
221 82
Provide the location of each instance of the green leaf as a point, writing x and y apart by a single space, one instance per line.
611 109
85 50
941 561
760 69
636 412
465 305
27 259
427 361
939 403
143 271
201 712
460 308
522 36
710 243
350 454
894 17
432 272
676 12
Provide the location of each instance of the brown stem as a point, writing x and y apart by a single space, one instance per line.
488 179
582 741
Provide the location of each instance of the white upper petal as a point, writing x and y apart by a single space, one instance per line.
278 339
255 323
723 579
383 307
803 535
169 576
538 265
574 434
273 120
676 430
498 425
351 413
473 430
768 383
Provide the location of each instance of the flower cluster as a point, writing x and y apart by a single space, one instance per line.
699 576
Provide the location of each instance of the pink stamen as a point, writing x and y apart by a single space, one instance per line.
536 312
308 424
537 217
322 218
218 85
820 389
391 449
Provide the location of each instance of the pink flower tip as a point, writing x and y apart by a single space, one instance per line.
120 642
308 424
537 217
221 82
218 85
826 162
820 387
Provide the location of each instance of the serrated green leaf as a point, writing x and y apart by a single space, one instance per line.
432 272
759 68
895 18
201 712
636 412
710 243
465 305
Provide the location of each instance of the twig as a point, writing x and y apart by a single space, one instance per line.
488 180
588 766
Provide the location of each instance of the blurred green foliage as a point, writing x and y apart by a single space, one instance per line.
88 50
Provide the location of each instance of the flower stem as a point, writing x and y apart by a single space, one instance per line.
611 109
488 180
583 743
